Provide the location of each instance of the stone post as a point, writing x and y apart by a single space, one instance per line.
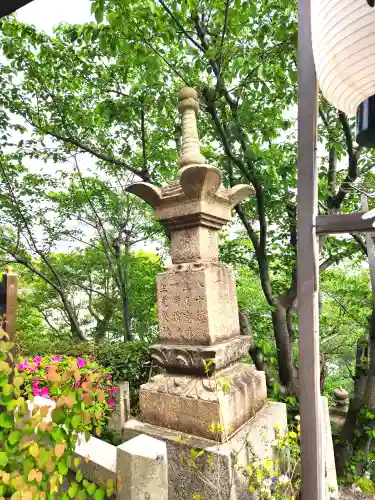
200 341
142 470
121 413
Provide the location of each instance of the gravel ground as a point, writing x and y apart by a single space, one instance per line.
350 494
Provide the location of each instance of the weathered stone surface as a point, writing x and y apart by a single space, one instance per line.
192 358
142 469
98 461
188 108
192 404
197 304
217 474
341 398
121 413
195 244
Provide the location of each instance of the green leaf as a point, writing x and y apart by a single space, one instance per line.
3 459
82 495
72 491
90 488
14 437
63 468
76 421
99 494
261 72
58 416
99 15
6 421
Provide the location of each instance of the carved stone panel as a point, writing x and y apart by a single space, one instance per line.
195 359
194 244
222 301
192 404
197 304
182 305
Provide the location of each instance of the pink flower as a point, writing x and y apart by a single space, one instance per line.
56 358
111 402
23 366
109 376
37 360
78 383
81 362
44 392
114 389
36 390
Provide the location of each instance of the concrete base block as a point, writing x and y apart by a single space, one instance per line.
216 473
98 461
142 469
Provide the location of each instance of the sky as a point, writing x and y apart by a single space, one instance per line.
45 14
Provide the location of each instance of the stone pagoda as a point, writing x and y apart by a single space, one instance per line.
200 342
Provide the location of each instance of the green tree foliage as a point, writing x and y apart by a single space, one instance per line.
106 91
90 288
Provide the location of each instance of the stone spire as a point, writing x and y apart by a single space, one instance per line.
197 302
188 107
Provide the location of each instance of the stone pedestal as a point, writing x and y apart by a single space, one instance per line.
202 405
217 473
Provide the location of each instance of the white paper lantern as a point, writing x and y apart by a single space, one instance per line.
343 33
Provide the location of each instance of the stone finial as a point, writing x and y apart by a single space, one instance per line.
188 107
341 397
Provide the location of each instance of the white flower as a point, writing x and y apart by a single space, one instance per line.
284 479
298 418
267 482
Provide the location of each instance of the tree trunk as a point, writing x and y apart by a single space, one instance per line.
344 447
72 317
284 343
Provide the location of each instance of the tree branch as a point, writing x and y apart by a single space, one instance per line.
70 140
352 174
179 24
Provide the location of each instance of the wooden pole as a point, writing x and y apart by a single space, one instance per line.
8 307
312 456
370 248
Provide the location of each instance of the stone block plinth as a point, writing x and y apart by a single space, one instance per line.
196 405
197 304
216 474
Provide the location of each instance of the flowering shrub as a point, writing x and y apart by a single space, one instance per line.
278 478
58 377
37 453
130 361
